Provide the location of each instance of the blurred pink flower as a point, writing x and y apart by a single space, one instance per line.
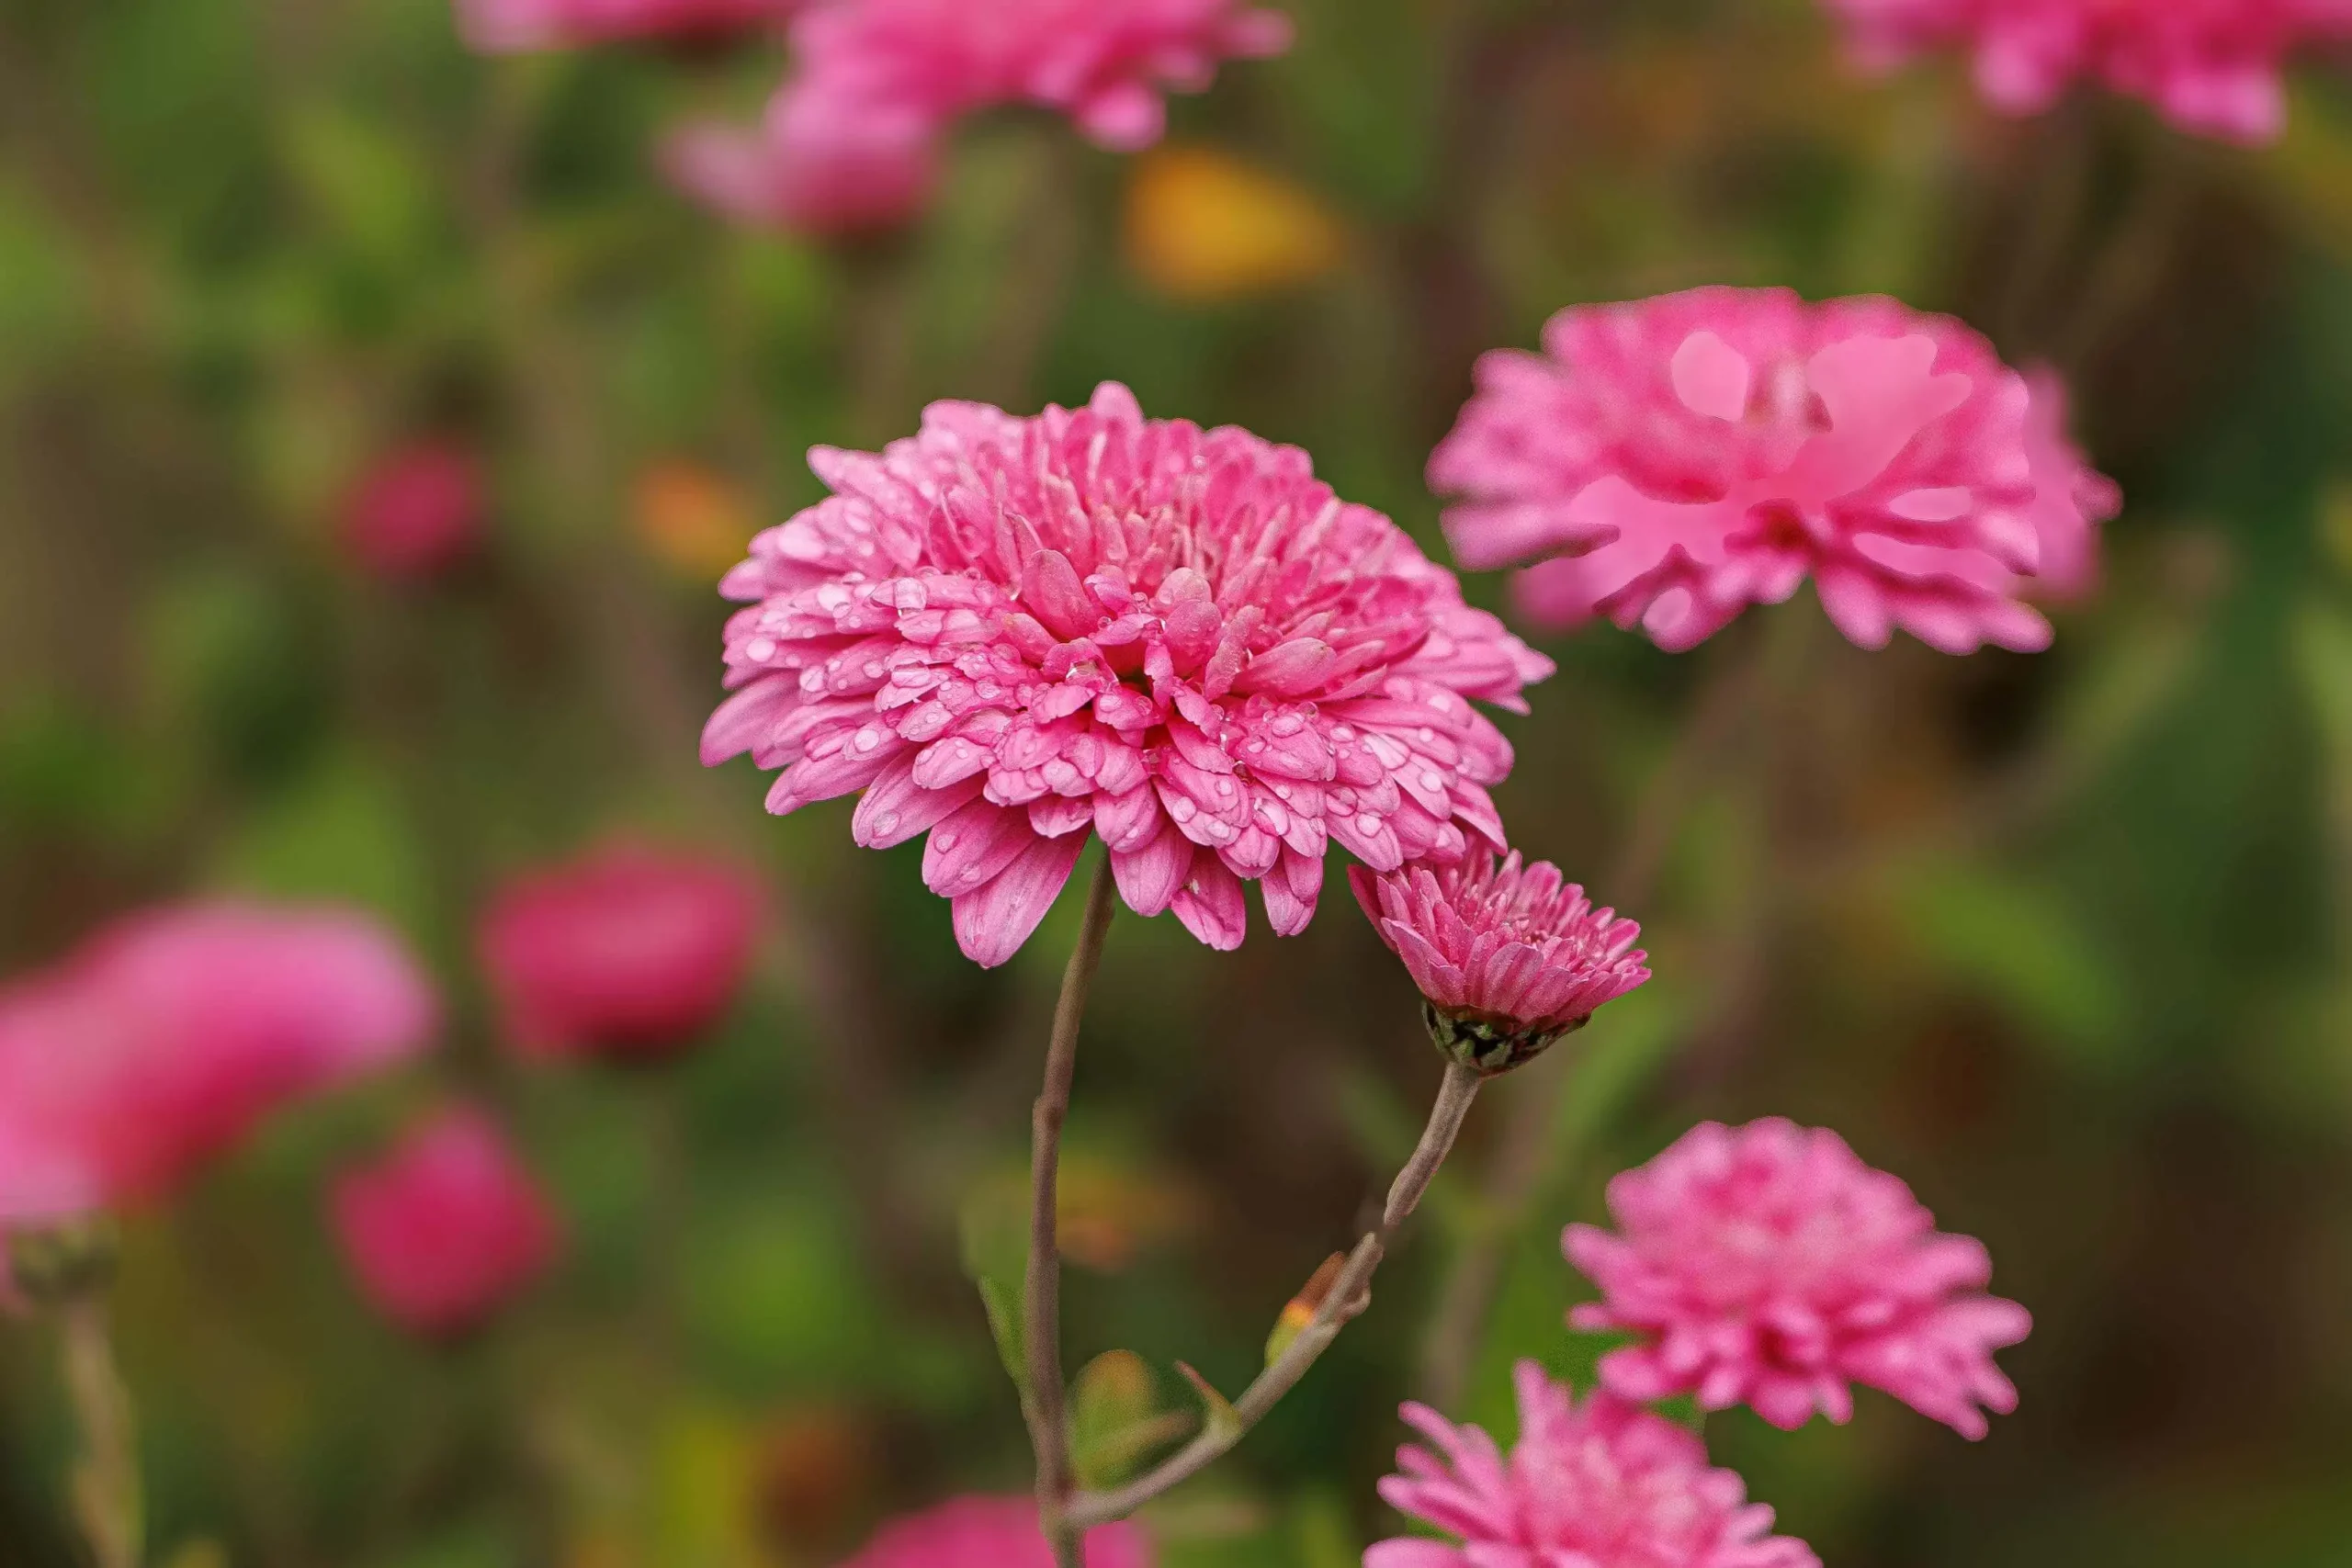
447 1227
1013 633
852 141
163 1040
830 176
628 954
991 1533
1672 461
416 512
2212 66
1509 957
503 27
1602 1485
1767 1265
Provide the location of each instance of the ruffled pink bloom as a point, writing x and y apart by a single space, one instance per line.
448 1227
416 512
1602 1485
163 1041
505 26
1671 462
1767 1265
628 954
2212 66
1509 957
1013 634
991 1532
852 141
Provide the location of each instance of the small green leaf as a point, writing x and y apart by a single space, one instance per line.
1224 1421
1116 1419
1005 1323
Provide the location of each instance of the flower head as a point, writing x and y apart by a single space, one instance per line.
628 953
2212 66
416 512
447 1227
1767 1265
1672 461
505 26
163 1040
991 1533
1602 1485
1507 957
851 140
1014 633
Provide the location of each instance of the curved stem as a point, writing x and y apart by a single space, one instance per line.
1346 1301
105 1488
1042 1288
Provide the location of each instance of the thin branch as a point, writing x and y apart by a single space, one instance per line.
1042 1292
106 1487
1346 1301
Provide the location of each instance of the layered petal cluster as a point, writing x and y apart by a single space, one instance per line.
851 140
991 1532
1013 633
1596 1484
1509 957
1672 461
1767 1265
629 952
447 1227
2213 67
506 26
163 1041
415 511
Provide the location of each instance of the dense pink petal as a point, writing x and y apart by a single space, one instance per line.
1767 1265
165 1039
447 1227
1089 622
2212 66
628 953
1889 455
1596 1484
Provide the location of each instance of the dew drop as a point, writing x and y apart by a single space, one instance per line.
760 650
1432 780
885 824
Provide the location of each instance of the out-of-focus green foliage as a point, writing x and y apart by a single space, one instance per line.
2061 939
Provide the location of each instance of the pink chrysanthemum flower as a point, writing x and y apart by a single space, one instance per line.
1014 633
991 1532
506 26
1602 1485
165 1038
1672 461
447 1227
1508 958
851 140
2213 66
1767 1265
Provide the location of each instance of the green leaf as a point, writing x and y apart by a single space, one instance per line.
1007 1325
1116 1419
1224 1421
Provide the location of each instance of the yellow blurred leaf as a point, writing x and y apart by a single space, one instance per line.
691 520
1205 227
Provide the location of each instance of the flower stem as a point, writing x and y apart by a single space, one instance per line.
1346 1300
1042 1290
105 1488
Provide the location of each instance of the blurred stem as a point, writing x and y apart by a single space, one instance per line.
105 1488
1041 1301
1530 1154
1346 1301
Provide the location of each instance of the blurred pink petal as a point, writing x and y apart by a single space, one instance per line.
1094 622
504 26
629 952
1671 462
798 171
447 1227
158 1044
2213 67
1767 1265
1509 956
1600 1484
416 510
991 1533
